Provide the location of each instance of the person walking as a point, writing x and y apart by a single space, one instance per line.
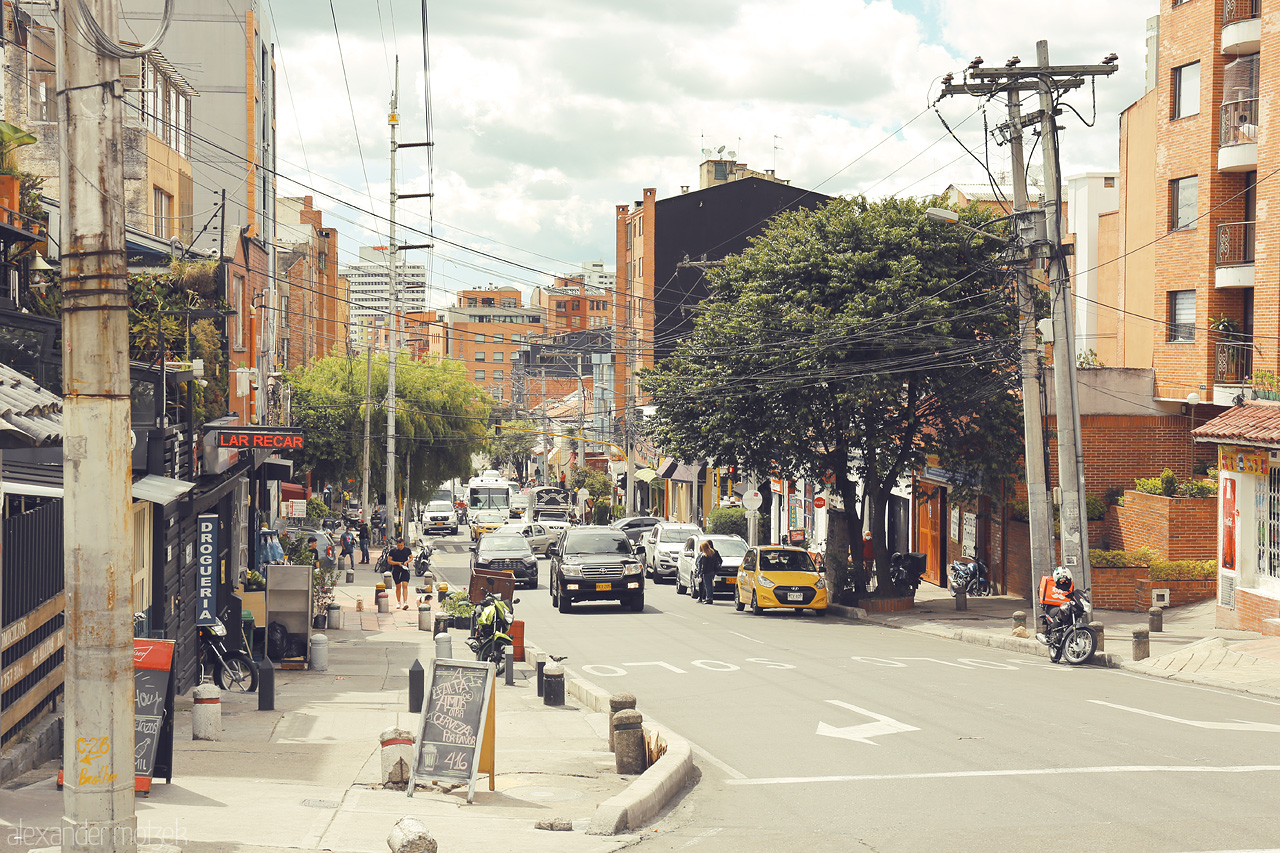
708 562
347 542
398 561
363 533
313 551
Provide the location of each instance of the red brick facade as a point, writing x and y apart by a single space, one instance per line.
1129 588
1253 612
1176 528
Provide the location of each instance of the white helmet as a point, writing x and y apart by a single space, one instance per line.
1062 578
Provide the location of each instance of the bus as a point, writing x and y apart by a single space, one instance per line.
488 493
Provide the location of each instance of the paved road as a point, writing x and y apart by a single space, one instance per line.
825 735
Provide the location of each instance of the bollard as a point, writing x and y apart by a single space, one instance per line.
1020 619
351 575
206 713
410 835
630 754
387 581
1155 620
962 600
444 646
441 625
1141 644
318 659
553 685
1098 631
540 665
417 687
397 755
619 702
266 685
424 617
511 666
334 617
384 601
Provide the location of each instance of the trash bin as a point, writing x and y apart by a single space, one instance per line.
247 629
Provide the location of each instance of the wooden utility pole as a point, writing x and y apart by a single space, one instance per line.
97 742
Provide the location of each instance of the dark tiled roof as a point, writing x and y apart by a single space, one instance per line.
29 414
1257 422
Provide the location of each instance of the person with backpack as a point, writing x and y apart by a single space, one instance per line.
709 561
347 541
364 541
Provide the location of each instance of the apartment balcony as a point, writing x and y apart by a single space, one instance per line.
1235 255
1241 27
1238 136
1232 369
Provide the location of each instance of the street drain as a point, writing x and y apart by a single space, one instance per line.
321 804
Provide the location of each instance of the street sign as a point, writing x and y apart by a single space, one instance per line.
752 500
206 566
819 502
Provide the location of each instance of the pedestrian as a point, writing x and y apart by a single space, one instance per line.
398 560
562 479
709 561
347 541
868 562
363 534
313 551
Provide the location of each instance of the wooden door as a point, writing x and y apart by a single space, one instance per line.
930 529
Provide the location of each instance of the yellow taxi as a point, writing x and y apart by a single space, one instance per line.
780 576
486 521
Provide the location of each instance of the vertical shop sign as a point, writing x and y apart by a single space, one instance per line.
206 566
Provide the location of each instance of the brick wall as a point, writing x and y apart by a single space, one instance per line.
1115 588
1175 528
1254 612
1180 591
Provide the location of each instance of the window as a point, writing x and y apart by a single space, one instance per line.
1186 90
576 322
284 308
577 306
498 337
479 375
497 355
517 338
1183 208
498 374
1182 315
479 337
1108 182
561 305
162 211
479 356
237 305
509 302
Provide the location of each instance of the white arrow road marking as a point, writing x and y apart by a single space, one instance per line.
882 726
1234 726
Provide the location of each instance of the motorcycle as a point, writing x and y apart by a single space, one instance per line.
970 577
1069 636
491 635
229 670
422 561
905 579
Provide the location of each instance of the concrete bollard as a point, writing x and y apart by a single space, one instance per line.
630 754
553 685
318 659
1099 631
206 713
410 835
351 575
387 581
444 646
266 685
333 619
1155 620
417 687
397 755
539 665
1141 644
962 600
1020 619
424 617
619 702
384 601
440 625
510 671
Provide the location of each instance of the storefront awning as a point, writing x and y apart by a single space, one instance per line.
160 490
687 473
292 492
276 469
646 475
668 468
1255 423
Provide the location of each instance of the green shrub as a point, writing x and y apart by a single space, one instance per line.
1166 570
602 513
728 521
1113 559
1199 488
1095 508
1019 510
1167 484
316 508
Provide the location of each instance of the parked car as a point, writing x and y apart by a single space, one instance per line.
506 551
486 521
780 576
595 563
636 526
326 544
662 547
519 506
537 535
731 548
440 516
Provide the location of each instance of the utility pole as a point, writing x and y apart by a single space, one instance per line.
97 740
368 407
1048 81
393 343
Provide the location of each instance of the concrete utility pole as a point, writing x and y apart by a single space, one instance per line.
393 342
1049 81
366 514
97 742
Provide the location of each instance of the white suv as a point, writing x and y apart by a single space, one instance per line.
438 517
662 547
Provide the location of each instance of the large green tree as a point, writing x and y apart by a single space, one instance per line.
441 418
859 337
513 445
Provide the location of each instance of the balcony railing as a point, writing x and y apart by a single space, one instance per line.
1235 244
1232 363
1234 11
1239 123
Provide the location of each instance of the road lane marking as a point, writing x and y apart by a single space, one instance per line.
879 661
936 660
752 639
706 833
722 667
662 664
728 771
976 774
772 664
862 733
1233 726
594 669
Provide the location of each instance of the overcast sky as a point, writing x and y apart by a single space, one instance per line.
547 114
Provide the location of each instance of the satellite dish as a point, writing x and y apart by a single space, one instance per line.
706 152
720 150
732 154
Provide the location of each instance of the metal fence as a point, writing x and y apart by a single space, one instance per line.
1234 11
1238 122
1232 363
1235 243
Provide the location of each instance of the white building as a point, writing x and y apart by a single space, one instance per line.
370 280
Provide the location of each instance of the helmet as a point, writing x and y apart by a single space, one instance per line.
1062 578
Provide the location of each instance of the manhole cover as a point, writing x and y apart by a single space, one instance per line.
541 794
321 804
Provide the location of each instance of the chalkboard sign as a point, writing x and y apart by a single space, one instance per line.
152 712
454 722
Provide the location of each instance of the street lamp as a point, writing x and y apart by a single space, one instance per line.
941 214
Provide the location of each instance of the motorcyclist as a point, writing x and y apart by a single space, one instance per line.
1063 588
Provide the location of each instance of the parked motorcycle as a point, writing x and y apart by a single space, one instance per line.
970 577
1065 626
491 635
230 670
422 560
905 578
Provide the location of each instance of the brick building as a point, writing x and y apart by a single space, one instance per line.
314 305
485 328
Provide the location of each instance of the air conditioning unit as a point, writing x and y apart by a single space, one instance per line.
1159 598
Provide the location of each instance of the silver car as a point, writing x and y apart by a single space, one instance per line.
731 549
537 535
662 547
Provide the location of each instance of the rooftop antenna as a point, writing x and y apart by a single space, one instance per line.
776 149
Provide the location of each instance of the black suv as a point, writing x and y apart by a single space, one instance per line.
595 563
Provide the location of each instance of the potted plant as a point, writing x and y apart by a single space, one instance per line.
12 138
458 608
1266 385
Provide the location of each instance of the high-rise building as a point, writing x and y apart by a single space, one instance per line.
370 282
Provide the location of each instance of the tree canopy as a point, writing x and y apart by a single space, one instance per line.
858 337
441 419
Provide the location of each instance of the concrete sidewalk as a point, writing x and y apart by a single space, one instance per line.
1190 648
306 776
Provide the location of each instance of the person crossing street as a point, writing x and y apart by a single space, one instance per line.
398 561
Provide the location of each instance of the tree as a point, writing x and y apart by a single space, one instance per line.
440 420
859 337
513 445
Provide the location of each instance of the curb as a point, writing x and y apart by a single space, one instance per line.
649 793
